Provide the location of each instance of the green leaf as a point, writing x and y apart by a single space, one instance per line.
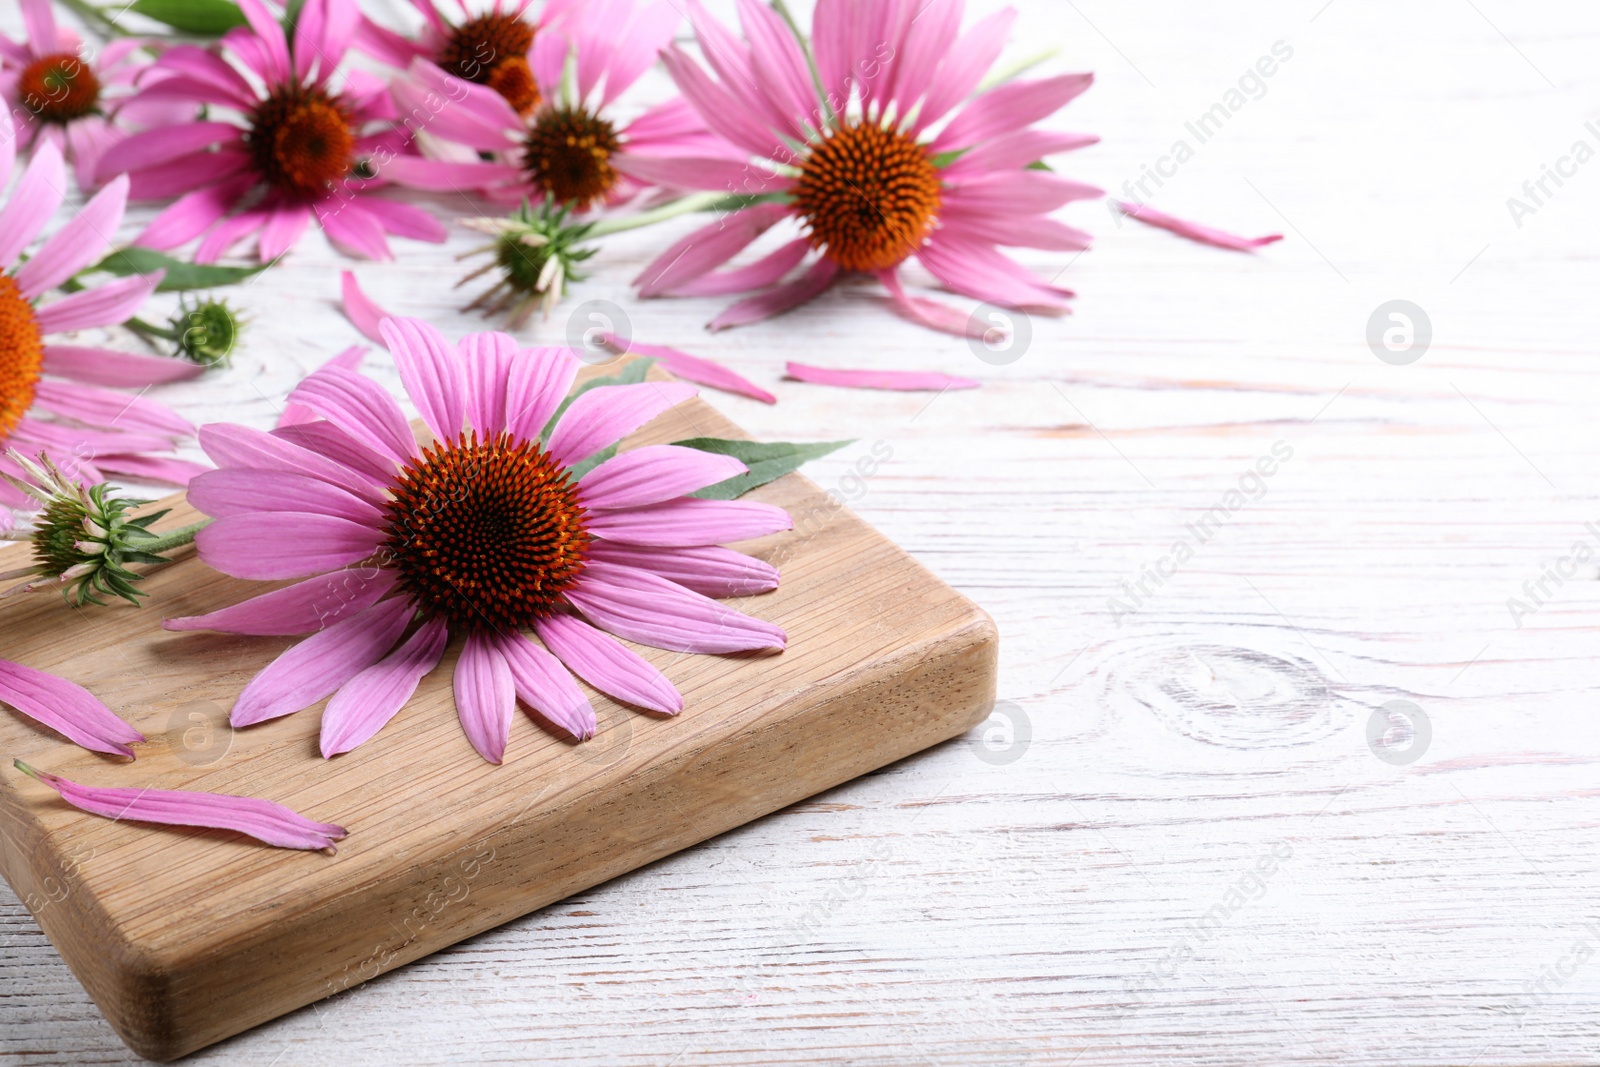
204 18
767 460
631 374
944 159
125 262
580 469
1038 164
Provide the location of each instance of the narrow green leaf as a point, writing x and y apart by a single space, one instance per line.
767 460
181 276
631 374
204 18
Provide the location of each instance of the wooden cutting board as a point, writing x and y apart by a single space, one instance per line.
185 937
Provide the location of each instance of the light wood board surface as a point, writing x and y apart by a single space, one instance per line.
1032 907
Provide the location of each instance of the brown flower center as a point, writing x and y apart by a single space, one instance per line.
301 141
870 196
486 534
58 88
568 155
492 50
21 354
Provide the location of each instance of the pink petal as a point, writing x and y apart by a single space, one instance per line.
544 685
485 696
707 569
449 176
1193 230
486 362
538 382
296 414
228 233
1008 108
267 822
707 248
785 297
150 468
205 66
982 271
326 439
642 607
927 41
77 243
361 408
274 46
965 65
719 108
221 493
777 61
359 308
241 446
40 22
67 708
1015 231
1017 149
650 30
106 305
693 369
316 667
348 223
474 115
904 380
108 409
608 665
716 175
1016 192
266 546
302 608
930 313
690 521
430 373
405 220
606 414
165 144
284 228
102 366
768 270
654 473
192 214
33 202
366 703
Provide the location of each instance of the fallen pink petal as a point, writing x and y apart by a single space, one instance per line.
1194 231
67 708
693 368
907 381
359 308
268 822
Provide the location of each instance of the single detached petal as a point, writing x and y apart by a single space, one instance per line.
264 820
1193 230
642 607
606 414
305 607
904 380
67 708
608 664
654 473
316 667
693 369
485 696
366 703
360 309
544 685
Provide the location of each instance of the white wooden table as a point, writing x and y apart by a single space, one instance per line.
1040 895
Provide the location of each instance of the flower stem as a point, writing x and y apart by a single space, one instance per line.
175 539
682 206
90 13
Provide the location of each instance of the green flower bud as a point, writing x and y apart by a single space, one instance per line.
206 332
535 253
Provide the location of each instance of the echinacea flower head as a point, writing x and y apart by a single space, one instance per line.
83 538
573 145
518 518
491 47
881 141
288 136
51 395
62 91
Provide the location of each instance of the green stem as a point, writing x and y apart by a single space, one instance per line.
90 13
682 206
174 539
146 329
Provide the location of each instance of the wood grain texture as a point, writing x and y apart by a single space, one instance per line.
954 911
184 937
